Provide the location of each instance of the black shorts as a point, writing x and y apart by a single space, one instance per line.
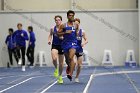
58 47
79 54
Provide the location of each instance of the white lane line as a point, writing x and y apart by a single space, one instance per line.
50 86
132 82
119 72
18 78
89 82
16 85
8 77
13 81
102 74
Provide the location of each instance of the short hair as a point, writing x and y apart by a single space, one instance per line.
30 27
77 19
19 24
58 16
70 11
11 30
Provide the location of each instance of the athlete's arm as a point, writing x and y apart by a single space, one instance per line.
6 40
85 39
60 31
50 36
68 32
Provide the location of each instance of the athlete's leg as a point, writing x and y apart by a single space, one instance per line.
28 54
15 54
19 55
61 61
32 56
18 52
54 54
72 64
10 56
79 64
23 49
67 60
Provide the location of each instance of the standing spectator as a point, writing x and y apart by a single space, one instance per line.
20 37
31 46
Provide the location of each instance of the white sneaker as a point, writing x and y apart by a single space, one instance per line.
23 68
76 80
19 62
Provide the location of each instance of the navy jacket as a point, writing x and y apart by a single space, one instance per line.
10 42
20 37
32 39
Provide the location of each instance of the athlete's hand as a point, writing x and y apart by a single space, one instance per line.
5 46
68 31
61 37
82 45
49 43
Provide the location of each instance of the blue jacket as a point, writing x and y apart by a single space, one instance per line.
20 37
32 39
10 42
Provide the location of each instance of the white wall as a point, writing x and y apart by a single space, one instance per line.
45 5
39 5
100 35
107 4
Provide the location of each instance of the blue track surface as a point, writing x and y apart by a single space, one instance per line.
36 80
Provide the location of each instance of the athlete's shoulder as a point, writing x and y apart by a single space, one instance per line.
32 33
8 36
52 28
63 24
16 31
24 31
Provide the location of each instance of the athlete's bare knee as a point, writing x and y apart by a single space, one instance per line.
54 58
79 65
71 60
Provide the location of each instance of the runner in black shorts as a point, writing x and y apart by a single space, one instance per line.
58 47
56 50
79 52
